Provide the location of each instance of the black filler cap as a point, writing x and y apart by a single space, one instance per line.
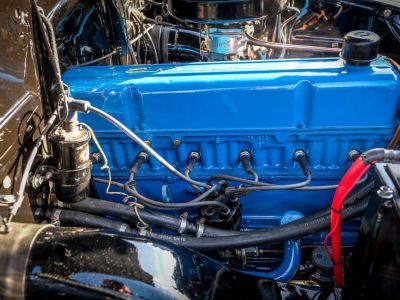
323 267
360 47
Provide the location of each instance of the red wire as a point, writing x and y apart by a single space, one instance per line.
349 180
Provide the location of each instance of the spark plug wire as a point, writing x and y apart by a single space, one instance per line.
349 180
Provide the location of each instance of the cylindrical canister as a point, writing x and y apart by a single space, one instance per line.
72 162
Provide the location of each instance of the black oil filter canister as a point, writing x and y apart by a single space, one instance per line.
72 163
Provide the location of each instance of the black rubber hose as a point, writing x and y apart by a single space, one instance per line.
153 46
127 213
294 230
66 217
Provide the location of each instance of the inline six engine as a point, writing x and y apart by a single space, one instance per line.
213 151
324 107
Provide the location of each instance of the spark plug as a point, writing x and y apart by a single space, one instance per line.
245 158
141 158
300 157
193 159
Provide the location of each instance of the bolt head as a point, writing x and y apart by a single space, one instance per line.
388 204
385 192
387 13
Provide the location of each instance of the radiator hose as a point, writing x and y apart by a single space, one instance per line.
294 230
316 222
65 217
128 213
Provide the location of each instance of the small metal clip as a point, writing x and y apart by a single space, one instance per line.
55 218
200 228
7 200
123 228
183 224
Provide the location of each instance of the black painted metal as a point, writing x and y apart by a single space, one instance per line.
176 44
230 11
375 265
72 163
360 47
77 263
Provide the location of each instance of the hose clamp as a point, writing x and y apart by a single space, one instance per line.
123 228
200 228
55 217
59 203
142 231
183 224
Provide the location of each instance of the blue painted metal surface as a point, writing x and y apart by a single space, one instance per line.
271 108
291 255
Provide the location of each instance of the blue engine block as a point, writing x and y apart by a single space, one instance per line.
271 108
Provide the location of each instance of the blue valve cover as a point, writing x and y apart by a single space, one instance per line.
271 108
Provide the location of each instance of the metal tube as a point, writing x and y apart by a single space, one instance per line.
291 255
306 48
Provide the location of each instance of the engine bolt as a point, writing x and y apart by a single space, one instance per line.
95 157
177 143
387 204
385 192
387 13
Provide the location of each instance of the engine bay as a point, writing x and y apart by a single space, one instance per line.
211 150
151 32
